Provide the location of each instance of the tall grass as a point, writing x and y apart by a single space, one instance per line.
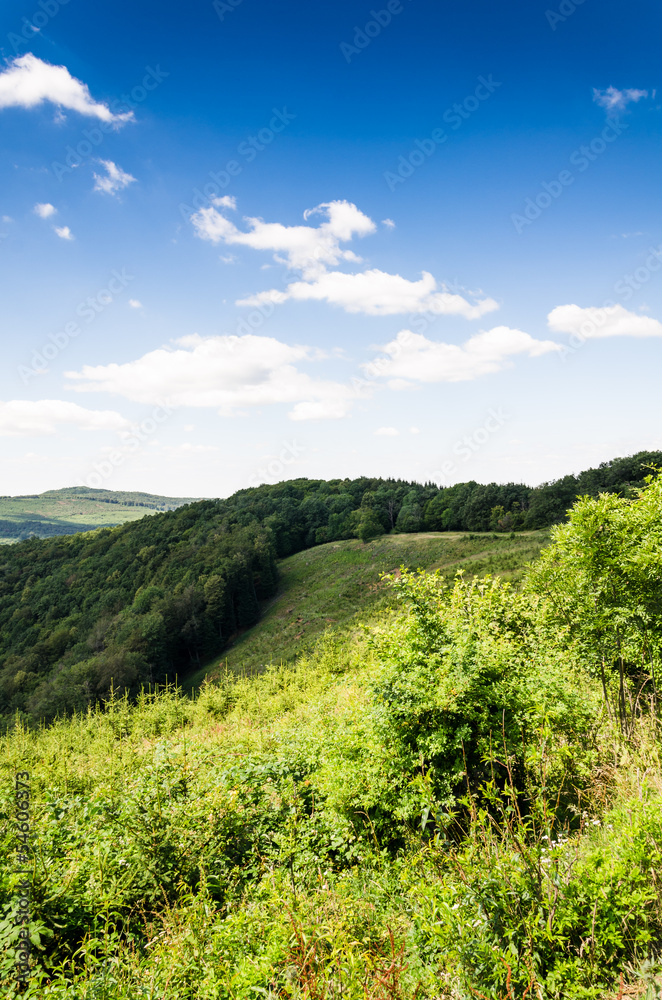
291 833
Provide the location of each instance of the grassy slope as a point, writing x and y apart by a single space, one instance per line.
336 586
78 509
95 777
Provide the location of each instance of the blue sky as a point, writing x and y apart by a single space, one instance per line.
250 241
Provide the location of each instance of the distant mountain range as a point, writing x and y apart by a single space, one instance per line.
77 508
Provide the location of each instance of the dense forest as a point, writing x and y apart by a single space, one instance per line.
131 606
39 527
462 799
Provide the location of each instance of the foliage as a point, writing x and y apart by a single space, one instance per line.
337 587
437 805
466 681
526 907
73 620
124 607
602 581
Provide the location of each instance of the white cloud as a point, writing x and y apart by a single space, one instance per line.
28 82
377 293
387 432
44 210
64 232
389 223
43 416
226 201
613 99
312 250
114 180
135 304
411 356
225 373
306 248
414 430
335 405
609 321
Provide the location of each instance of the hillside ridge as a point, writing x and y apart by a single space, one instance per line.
129 606
76 508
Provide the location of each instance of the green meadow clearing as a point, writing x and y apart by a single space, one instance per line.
63 512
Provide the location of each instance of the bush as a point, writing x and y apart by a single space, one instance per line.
465 676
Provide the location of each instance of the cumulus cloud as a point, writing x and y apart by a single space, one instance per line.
24 417
227 373
313 250
608 321
64 232
377 293
44 210
613 99
308 249
115 179
28 82
387 432
135 303
411 357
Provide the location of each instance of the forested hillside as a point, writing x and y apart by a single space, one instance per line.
461 800
133 605
306 512
125 606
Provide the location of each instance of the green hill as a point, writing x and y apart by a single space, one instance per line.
164 596
455 794
77 508
334 587
339 508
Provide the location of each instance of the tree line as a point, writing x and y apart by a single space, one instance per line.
133 605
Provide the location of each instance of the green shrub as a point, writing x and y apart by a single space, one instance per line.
466 680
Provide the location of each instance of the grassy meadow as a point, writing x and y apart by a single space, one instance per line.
66 511
338 586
